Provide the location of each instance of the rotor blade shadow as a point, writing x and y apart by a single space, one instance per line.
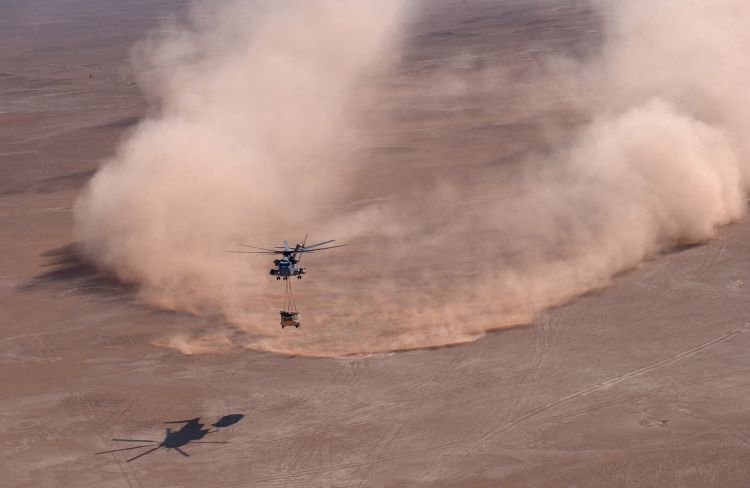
123 449
143 454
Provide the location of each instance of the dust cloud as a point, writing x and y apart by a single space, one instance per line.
271 122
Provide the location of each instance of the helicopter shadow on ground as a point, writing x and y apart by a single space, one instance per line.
191 432
69 271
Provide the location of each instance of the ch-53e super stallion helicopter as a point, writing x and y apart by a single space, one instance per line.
286 267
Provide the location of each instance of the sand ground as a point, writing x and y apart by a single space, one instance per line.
642 384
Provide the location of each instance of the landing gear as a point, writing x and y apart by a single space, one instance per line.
299 277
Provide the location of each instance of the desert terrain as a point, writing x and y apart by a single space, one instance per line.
636 380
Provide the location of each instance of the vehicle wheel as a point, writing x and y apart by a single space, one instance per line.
297 326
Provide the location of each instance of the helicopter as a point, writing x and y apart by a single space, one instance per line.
286 266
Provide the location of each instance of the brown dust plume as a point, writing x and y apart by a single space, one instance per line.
277 119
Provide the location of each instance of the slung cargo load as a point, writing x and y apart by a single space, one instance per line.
289 315
289 319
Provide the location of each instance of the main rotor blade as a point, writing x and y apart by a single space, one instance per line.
322 248
299 248
256 247
255 252
318 244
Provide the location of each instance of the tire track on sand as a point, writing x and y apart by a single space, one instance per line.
288 477
367 412
88 410
619 379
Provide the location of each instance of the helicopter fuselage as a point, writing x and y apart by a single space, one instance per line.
286 267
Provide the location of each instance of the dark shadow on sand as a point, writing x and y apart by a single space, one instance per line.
680 248
191 432
68 270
